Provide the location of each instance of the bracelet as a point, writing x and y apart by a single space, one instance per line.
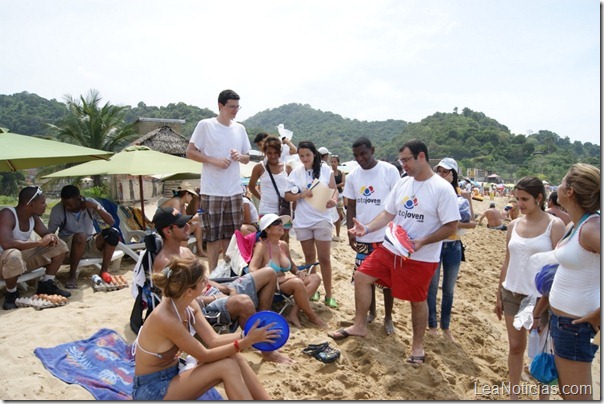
366 230
236 345
242 334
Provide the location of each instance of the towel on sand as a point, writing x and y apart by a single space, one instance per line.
103 364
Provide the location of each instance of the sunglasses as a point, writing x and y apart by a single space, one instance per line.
276 223
38 192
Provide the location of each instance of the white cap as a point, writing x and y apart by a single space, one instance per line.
323 150
268 219
448 164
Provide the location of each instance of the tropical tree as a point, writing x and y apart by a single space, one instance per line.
90 124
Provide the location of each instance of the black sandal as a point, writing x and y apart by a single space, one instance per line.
327 355
313 349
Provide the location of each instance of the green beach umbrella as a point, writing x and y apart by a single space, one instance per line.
137 161
19 152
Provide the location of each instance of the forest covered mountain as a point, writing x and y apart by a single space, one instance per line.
472 138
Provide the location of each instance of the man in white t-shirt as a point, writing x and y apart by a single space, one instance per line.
366 188
425 206
220 144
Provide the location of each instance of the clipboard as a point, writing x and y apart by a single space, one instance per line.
321 193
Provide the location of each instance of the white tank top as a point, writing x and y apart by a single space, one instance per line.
17 233
576 287
269 203
520 277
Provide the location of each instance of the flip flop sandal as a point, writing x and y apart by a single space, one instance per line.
70 285
313 349
327 355
416 359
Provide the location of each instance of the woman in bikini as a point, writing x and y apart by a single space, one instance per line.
273 252
169 330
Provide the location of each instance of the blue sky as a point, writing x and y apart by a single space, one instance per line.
530 64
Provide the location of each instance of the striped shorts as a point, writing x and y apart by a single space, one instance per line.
221 217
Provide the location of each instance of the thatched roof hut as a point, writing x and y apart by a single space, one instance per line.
165 140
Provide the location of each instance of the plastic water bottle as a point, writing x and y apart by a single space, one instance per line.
533 344
97 280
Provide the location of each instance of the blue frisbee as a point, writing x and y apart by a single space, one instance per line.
267 317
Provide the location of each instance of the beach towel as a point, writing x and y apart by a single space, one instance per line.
103 364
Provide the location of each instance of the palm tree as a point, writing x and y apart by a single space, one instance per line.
91 125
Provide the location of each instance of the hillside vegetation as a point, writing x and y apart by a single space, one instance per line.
472 138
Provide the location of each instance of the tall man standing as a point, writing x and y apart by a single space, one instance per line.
425 206
74 216
19 254
220 144
366 188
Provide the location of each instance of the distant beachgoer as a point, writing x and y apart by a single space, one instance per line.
554 208
513 212
171 328
532 233
494 218
285 152
575 297
340 179
450 255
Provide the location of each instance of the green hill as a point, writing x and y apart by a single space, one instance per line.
472 138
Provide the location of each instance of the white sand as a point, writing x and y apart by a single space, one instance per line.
369 368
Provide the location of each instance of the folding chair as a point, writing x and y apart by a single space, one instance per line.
287 299
146 295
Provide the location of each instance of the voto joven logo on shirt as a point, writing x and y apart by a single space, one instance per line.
409 203
367 192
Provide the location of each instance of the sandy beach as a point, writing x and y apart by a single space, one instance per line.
371 368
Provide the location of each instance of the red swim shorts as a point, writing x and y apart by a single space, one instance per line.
408 279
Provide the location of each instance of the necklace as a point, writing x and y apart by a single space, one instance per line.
413 188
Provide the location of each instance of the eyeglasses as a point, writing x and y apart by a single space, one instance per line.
38 192
234 107
404 160
276 223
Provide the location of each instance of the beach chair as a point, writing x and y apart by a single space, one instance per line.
28 276
146 295
131 236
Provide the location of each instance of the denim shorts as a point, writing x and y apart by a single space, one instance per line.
572 341
153 386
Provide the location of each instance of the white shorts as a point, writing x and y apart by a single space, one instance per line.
320 231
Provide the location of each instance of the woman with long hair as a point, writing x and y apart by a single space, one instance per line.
536 231
170 329
313 226
267 193
451 253
575 294
273 252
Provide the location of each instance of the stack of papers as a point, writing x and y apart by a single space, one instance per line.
398 238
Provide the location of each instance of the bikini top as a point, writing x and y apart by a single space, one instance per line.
275 266
170 354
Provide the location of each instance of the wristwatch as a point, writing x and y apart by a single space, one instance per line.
294 190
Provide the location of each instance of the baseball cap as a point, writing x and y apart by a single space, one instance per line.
448 164
168 216
268 219
323 150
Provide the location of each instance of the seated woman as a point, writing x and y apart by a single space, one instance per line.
183 197
270 251
169 330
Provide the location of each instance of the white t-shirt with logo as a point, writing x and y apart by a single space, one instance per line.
305 215
421 208
369 188
216 140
